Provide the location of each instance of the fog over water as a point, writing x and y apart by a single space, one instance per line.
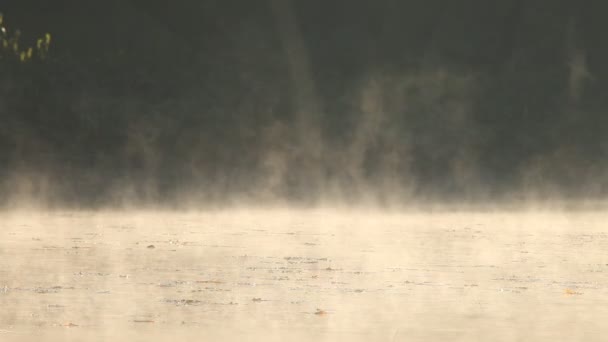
303 275
214 102
303 170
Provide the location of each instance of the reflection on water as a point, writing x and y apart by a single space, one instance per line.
303 275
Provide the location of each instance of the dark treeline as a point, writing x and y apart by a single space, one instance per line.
387 100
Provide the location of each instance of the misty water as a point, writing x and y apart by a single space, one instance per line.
322 275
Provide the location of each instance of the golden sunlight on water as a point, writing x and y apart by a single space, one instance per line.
279 275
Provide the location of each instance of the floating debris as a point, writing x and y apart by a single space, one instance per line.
54 289
209 282
320 312
183 302
151 247
571 292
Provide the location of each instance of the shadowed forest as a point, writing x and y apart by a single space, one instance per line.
187 101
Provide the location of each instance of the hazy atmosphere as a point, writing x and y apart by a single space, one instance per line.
304 102
303 170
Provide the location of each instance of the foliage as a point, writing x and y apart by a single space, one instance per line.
12 48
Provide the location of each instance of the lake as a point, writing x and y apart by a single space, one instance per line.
304 275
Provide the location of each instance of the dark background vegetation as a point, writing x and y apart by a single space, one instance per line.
196 100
